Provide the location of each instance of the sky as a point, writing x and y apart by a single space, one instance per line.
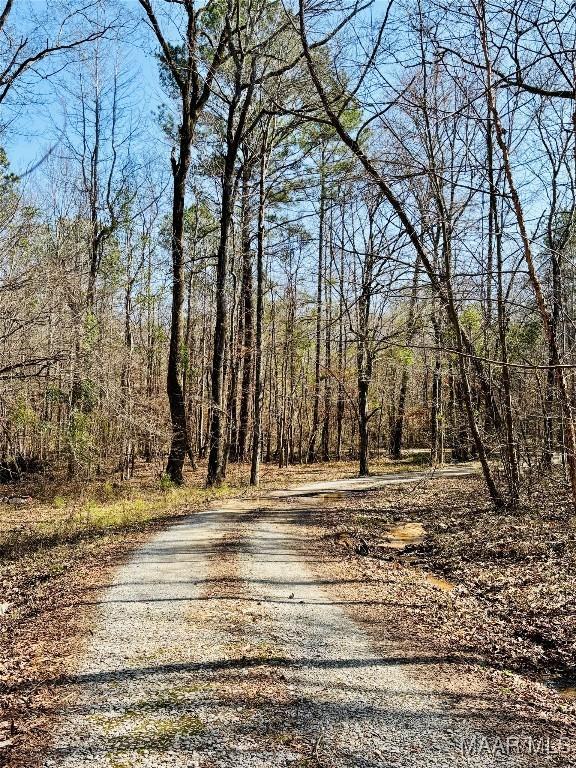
35 123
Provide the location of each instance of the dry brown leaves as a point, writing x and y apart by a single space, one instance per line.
512 609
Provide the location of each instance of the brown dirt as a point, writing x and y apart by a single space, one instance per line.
492 592
45 627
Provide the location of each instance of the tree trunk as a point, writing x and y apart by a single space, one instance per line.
328 365
218 421
340 406
495 235
312 455
363 417
436 414
258 383
398 426
248 310
179 445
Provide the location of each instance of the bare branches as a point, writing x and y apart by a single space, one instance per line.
21 370
21 54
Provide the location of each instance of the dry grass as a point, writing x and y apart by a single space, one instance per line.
58 511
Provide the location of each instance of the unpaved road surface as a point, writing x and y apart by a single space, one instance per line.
217 645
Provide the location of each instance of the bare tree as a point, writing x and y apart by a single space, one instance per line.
192 84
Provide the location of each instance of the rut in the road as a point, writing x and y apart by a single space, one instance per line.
215 646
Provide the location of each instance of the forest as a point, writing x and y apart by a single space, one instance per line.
247 243
339 233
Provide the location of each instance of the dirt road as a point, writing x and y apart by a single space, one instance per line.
219 645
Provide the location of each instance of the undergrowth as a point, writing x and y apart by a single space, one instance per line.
91 518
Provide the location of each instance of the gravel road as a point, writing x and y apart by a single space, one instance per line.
216 646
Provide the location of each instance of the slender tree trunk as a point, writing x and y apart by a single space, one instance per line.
312 454
548 452
364 355
340 406
495 237
363 442
258 382
218 421
436 415
328 363
248 310
179 445
126 378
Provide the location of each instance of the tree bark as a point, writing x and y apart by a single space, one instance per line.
179 444
248 311
217 424
258 380
312 452
363 417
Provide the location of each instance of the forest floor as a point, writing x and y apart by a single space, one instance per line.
337 624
